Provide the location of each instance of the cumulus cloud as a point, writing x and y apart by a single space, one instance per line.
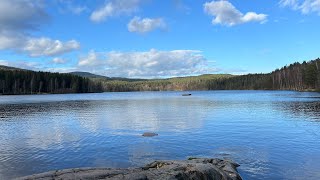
35 47
10 40
19 18
225 13
305 6
91 60
4 63
310 6
115 8
145 25
58 60
153 63
49 47
78 9
26 14
289 3
73 6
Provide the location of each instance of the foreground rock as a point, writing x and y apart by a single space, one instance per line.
195 169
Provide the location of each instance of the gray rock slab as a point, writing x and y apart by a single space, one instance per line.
191 169
149 134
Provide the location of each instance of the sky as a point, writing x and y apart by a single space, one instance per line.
158 38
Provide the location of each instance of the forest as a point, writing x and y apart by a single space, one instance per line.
297 76
18 81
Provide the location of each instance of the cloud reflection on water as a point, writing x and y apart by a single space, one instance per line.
255 128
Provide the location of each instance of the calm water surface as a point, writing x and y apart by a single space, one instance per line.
271 134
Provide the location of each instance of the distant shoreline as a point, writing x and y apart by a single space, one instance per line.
306 90
47 94
296 77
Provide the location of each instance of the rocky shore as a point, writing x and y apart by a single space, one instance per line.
193 168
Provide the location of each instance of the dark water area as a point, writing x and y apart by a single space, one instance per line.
271 134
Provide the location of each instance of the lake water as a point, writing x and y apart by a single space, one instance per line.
271 134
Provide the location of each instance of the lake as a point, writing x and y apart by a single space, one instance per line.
271 134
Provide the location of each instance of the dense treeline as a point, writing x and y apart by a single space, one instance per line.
244 82
297 76
30 82
173 84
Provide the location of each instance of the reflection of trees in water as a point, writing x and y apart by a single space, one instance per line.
10 111
63 127
309 109
151 114
49 124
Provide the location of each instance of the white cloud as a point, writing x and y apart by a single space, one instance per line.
145 25
289 3
252 16
73 6
305 6
10 40
4 63
58 60
92 59
153 63
18 14
78 9
309 6
226 14
115 8
17 19
35 47
49 47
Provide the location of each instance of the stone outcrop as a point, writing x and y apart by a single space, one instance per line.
149 134
193 168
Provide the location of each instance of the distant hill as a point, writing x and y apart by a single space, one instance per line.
91 75
2 67
88 75
201 82
21 81
297 76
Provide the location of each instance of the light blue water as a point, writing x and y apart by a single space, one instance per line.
271 134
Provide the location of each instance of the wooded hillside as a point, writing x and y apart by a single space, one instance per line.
15 81
296 76
202 82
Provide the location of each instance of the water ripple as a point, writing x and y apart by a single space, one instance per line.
272 134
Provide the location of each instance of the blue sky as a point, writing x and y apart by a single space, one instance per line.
153 38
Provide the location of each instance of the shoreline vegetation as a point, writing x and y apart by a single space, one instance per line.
14 81
297 76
